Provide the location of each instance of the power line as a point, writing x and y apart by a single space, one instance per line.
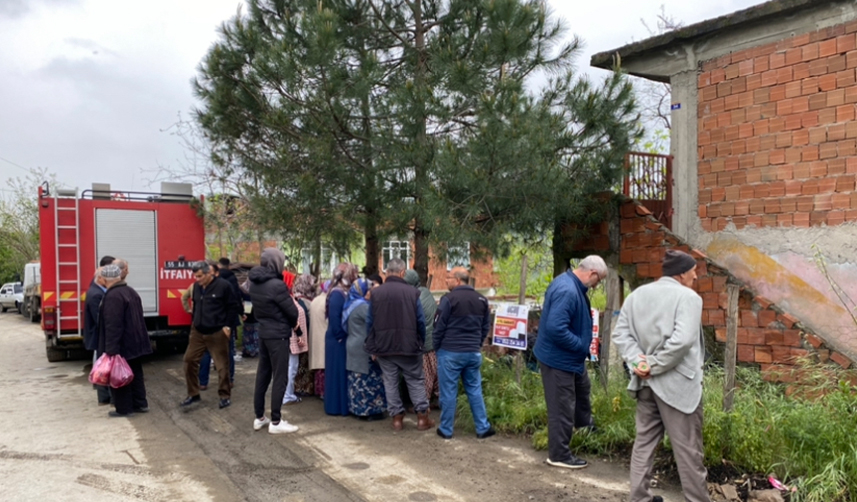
19 166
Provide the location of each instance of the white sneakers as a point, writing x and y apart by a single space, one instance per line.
259 423
281 428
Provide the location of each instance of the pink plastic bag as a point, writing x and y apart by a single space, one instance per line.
121 374
100 374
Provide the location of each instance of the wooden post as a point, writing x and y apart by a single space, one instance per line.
731 352
522 296
613 286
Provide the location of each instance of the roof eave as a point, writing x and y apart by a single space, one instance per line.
606 59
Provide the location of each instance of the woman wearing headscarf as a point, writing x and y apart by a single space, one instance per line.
366 397
335 377
318 329
304 292
276 313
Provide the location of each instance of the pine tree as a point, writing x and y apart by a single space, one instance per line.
412 117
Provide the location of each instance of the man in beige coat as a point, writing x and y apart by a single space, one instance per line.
659 335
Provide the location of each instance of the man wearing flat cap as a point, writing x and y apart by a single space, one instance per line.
659 335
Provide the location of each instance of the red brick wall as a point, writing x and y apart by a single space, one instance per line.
481 271
777 135
766 335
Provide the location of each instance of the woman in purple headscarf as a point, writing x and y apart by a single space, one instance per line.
335 377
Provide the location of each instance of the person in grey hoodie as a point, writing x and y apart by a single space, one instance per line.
276 314
429 357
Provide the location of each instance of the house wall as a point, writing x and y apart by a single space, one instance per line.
776 171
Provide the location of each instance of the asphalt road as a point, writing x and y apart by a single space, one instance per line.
57 444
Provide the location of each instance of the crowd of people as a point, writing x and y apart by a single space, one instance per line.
368 346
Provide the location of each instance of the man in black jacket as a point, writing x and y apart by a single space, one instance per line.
90 322
122 331
229 276
396 330
277 314
214 307
464 319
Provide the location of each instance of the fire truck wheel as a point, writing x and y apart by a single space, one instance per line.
56 355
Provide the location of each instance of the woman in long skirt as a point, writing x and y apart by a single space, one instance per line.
335 378
304 292
366 396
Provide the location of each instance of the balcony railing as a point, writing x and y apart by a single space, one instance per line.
649 179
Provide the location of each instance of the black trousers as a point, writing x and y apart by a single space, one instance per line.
567 399
132 396
273 363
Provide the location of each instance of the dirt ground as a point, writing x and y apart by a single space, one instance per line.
57 444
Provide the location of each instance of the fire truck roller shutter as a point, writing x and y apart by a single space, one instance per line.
131 235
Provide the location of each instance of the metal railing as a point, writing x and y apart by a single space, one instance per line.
649 179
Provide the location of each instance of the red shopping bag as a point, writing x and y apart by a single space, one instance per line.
121 374
100 374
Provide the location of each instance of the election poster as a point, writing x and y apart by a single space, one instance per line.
595 345
510 326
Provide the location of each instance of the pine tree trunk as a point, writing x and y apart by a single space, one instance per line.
421 248
373 251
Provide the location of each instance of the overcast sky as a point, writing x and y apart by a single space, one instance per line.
87 87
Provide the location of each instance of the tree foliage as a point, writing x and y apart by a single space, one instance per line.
371 118
19 222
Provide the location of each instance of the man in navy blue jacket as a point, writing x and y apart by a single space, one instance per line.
464 319
90 322
565 332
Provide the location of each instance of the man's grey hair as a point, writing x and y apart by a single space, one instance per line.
122 264
461 274
396 266
594 263
201 265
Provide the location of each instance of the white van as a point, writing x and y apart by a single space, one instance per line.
11 296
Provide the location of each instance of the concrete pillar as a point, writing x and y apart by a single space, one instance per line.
683 147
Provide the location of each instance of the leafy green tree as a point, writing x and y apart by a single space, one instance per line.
412 117
19 222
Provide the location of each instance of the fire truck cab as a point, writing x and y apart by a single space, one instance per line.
160 235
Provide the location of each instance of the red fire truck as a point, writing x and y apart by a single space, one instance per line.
159 234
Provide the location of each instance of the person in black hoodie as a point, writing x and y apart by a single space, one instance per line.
229 276
276 314
215 305
122 331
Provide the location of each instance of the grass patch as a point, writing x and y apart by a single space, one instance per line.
809 442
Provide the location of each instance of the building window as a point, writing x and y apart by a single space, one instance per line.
458 255
328 260
396 249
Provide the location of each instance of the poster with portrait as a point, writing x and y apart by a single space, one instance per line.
510 326
595 345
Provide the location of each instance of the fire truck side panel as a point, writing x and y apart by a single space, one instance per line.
182 233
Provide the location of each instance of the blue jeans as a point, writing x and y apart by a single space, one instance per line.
204 368
450 367
205 362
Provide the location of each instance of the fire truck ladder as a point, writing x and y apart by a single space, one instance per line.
68 302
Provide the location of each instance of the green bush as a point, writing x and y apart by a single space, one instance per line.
807 442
